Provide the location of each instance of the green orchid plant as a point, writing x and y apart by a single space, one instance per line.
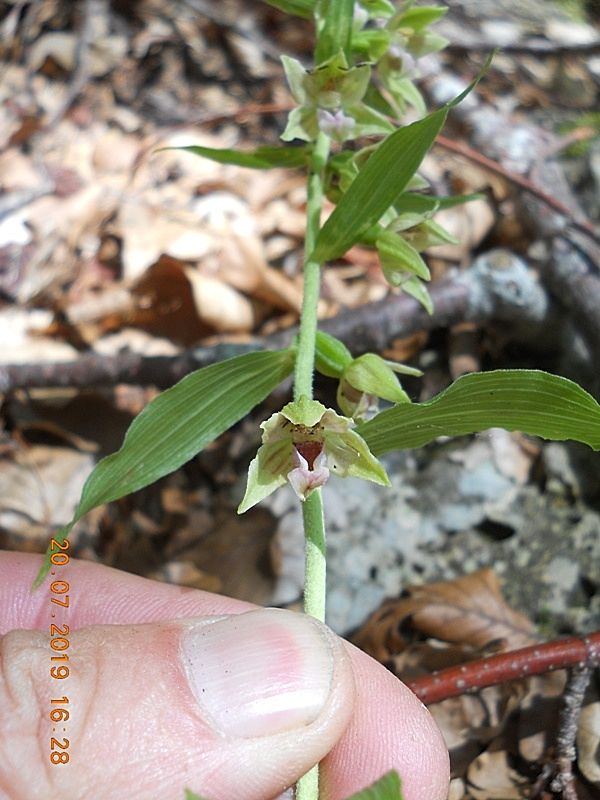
366 62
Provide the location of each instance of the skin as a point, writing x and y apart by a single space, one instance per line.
137 730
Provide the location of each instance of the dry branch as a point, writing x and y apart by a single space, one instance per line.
581 651
497 287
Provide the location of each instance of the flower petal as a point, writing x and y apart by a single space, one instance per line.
267 472
304 480
348 454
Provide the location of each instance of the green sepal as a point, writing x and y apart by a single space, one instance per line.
295 75
417 184
369 122
429 234
404 369
404 91
332 357
415 288
266 473
422 44
364 465
399 260
304 412
302 124
409 220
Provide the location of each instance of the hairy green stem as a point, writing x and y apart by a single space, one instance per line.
312 508
305 355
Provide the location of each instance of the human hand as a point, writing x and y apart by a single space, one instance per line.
171 687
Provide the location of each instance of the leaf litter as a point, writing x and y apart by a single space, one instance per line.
107 245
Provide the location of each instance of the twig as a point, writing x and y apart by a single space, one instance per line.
92 10
572 279
518 180
580 651
493 289
564 782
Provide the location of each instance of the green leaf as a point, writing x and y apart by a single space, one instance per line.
189 795
300 8
334 26
261 158
177 424
386 788
530 401
369 122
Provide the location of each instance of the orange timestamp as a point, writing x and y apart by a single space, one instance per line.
59 660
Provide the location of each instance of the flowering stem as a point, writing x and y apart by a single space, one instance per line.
305 354
307 787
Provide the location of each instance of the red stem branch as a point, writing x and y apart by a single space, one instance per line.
515 665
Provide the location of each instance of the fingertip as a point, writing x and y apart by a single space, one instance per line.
390 729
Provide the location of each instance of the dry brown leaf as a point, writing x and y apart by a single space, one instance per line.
242 264
220 305
490 777
41 488
588 742
469 610
469 223
184 573
538 715
165 303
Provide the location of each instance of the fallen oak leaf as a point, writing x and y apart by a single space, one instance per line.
469 610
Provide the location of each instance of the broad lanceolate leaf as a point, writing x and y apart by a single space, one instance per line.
300 8
386 788
177 424
531 401
261 158
192 795
334 26
377 185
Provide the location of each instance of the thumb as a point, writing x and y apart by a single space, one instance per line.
231 706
